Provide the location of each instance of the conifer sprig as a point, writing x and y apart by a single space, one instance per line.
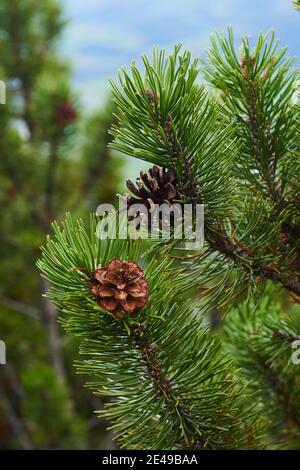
166 118
257 87
170 385
261 342
251 221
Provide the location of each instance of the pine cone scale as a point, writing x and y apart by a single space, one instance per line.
105 291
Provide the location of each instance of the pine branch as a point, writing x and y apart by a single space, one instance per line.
169 383
221 242
256 91
297 4
260 342
166 118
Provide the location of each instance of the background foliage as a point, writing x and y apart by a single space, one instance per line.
52 157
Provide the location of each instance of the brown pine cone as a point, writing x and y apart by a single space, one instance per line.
157 186
66 113
120 288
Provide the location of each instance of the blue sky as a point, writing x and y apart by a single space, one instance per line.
104 35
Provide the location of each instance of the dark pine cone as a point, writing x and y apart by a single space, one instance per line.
120 288
66 113
157 186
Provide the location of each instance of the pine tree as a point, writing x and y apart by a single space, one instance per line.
231 144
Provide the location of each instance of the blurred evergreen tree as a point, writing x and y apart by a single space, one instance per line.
51 159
